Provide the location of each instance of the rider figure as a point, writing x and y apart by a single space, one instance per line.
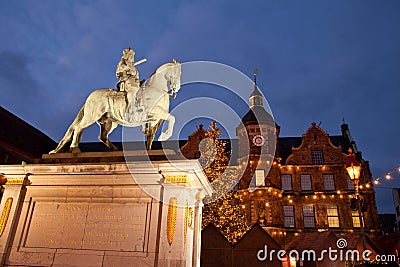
127 73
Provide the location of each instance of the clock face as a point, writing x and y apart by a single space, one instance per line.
258 140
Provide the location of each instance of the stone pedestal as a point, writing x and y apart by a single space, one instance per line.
100 213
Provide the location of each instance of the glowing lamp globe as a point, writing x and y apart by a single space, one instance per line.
353 167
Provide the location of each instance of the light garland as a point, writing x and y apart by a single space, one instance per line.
315 196
388 177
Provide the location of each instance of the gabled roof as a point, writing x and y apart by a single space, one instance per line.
354 239
257 115
256 234
213 238
219 240
389 244
285 145
20 141
316 241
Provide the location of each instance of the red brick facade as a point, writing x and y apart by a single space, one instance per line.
306 187
265 204
329 190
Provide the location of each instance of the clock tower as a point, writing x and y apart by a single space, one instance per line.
257 137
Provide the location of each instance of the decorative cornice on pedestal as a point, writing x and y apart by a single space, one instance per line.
177 179
16 181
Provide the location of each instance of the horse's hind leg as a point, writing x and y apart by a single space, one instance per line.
106 127
77 136
151 133
67 137
87 119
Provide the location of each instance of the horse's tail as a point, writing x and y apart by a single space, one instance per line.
70 131
71 128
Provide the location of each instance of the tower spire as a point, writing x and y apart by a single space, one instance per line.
255 76
256 98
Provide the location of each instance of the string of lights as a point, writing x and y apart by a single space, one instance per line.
290 197
375 181
387 177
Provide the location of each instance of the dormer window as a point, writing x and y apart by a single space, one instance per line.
317 157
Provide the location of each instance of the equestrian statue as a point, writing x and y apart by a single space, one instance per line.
135 103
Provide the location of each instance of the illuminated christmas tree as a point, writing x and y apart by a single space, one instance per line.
223 208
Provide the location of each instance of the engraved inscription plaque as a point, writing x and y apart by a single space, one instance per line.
119 227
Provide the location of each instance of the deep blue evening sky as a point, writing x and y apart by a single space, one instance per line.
318 60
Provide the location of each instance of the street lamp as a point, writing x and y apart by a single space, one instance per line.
353 168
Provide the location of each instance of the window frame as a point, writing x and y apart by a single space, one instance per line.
286 216
309 216
291 182
355 219
259 175
324 175
317 157
309 181
336 217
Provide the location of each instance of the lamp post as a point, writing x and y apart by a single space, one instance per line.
353 168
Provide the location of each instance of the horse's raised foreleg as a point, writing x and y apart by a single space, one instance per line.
106 127
163 115
168 133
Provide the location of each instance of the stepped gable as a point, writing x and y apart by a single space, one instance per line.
316 139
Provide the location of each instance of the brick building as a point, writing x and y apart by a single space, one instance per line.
303 186
313 188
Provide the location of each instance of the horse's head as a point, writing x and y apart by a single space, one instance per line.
173 77
170 73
